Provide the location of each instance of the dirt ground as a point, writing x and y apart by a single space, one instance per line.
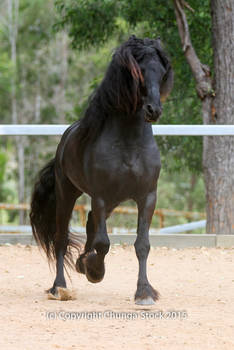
196 309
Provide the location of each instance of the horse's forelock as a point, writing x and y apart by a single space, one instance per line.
127 90
127 60
136 71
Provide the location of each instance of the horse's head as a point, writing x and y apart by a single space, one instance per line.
158 79
150 76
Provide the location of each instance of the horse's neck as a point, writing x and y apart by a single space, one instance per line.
130 130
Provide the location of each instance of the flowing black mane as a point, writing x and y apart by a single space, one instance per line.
121 89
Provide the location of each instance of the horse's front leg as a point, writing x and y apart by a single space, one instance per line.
94 261
88 245
145 294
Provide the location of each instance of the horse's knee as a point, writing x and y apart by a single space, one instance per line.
142 248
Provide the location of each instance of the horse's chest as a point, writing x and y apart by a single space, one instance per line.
134 162
130 161
116 174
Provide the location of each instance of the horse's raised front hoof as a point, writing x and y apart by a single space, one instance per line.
60 293
146 295
80 268
94 268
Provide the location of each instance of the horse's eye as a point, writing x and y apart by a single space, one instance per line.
165 76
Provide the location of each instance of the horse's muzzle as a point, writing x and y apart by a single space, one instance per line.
152 113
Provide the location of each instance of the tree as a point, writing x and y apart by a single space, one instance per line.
51 85
25 32
5 83
216 95
219 152
11 25
126 17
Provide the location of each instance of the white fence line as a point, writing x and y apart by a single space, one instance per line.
115 230
183 227
166 130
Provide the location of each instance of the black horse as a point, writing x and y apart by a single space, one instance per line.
112 156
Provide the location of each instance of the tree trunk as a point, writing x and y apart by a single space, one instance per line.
218 156
13 8
13 13
21 179
217 108
193 182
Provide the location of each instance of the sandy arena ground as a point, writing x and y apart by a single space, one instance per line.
196 282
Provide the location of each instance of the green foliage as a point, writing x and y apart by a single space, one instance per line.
6 192
62 80
3 160
87 26
91 22
181 152
6 71
87 69
176 190
35 25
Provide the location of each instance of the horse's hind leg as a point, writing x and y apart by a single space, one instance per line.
145 294
94 262
66 195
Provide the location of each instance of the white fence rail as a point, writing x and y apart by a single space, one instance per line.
166 130
115 230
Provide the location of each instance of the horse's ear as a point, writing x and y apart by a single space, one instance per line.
159 40
161 53
167 82
168 79
133 36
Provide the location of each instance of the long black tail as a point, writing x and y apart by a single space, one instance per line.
43 210
43 215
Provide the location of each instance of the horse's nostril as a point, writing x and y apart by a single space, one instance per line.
150 109
153 110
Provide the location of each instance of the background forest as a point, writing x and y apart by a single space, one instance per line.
47 74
